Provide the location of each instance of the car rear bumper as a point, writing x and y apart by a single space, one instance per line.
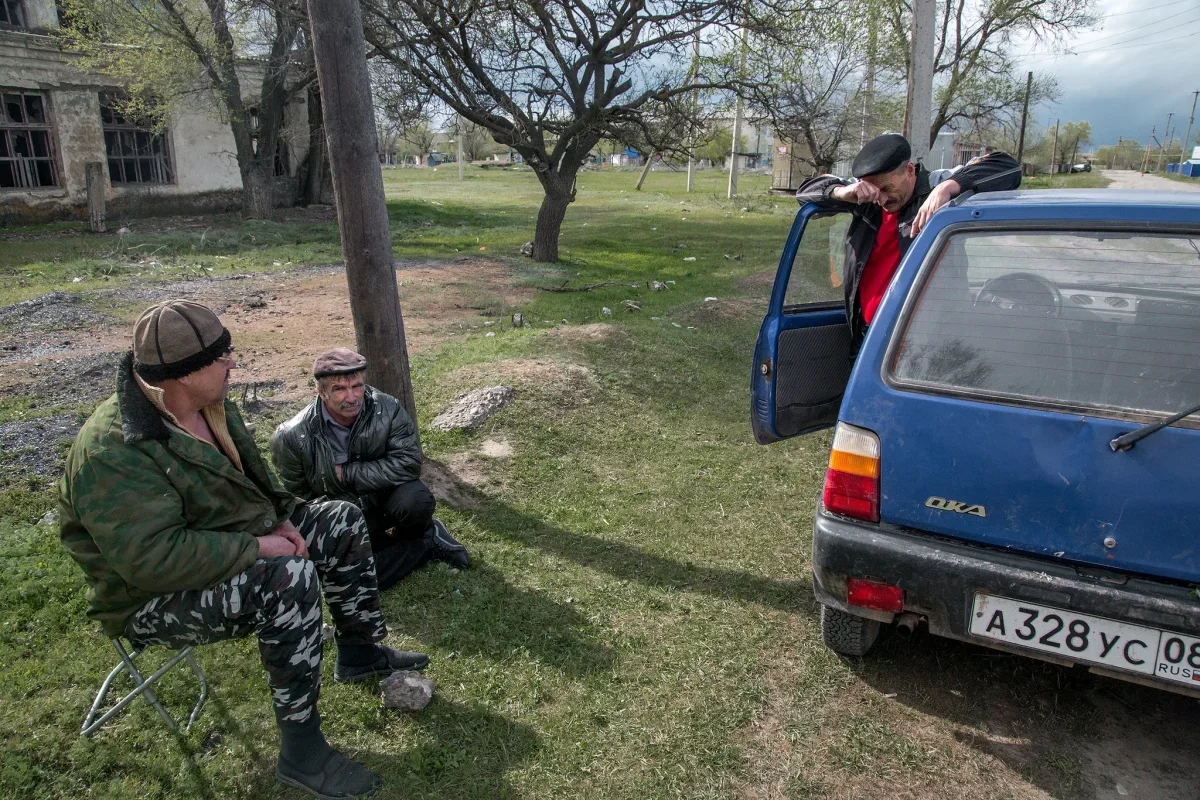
940 578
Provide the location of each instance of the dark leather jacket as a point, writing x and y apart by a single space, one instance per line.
384 452
991 173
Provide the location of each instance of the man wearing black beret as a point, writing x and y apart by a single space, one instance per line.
892 200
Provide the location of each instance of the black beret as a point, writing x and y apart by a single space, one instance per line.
881 154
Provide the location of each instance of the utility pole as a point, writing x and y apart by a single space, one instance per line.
349 115
1054 151
1024 116
737 123
691 172
869 90
1149 144
1187 136
918 110
1165 141
460 147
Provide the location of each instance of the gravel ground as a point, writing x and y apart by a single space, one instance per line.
35 445
1132 179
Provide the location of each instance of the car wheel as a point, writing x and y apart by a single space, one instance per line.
847 634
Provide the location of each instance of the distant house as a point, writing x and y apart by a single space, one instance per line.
55 119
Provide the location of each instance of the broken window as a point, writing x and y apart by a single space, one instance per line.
281 167
136 154
12 14
26 141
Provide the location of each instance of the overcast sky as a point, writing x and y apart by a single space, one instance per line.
1141 63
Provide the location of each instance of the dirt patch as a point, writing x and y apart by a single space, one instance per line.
496 448
759 284
593 332
451 487
280 322
715 312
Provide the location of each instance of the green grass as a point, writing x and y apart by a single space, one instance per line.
638 622
1179 178
1077 180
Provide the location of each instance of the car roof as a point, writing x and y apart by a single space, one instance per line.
1112 198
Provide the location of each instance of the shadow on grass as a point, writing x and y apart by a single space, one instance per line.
1068 732
489 617
468 752
619 560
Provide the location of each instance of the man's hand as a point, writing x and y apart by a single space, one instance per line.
860 192
283 540
943 193
337 471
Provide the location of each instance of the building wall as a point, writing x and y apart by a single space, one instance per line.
205 171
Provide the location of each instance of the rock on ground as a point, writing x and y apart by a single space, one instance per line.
407 690
473 409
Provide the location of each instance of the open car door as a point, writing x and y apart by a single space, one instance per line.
802 359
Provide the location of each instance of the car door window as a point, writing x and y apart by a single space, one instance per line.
818 271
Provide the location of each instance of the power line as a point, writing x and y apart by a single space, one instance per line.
1128 43
1144 10
1140 27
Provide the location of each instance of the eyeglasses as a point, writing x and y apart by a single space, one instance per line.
226 357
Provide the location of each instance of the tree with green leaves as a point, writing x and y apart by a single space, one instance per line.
1071 137
167 53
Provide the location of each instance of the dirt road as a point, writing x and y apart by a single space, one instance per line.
1132 179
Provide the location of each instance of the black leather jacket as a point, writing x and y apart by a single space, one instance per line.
384 452
991 173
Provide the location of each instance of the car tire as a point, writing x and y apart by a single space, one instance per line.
847 634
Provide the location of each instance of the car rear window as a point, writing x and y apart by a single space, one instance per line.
1103 320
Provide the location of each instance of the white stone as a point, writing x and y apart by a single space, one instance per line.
473 409
406 690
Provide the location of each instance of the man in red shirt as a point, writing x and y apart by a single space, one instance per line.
892 200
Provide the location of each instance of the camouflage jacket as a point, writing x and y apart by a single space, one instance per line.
384 452
146 510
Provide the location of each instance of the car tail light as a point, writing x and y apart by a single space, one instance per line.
869 594
852 481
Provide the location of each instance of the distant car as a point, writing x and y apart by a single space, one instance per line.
1015 447
1084 167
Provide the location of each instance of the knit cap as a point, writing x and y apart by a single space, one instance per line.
176 338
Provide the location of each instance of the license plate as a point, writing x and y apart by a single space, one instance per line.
1086 639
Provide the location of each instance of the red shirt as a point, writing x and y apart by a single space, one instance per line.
881 265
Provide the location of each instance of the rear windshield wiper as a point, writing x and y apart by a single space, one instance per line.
1128 440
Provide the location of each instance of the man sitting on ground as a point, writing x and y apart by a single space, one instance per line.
185 537
355 443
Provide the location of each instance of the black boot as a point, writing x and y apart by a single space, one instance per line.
307 762
444 547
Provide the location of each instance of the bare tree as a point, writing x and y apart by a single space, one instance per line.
816 64
974 68
166 50
551 78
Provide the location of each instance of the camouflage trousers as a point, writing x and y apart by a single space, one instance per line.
279 599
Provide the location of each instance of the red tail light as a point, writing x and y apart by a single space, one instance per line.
869 594
852 481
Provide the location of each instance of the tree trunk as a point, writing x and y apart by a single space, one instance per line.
341 61
314 185
549 222
258 195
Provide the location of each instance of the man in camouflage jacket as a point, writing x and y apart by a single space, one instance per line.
185 537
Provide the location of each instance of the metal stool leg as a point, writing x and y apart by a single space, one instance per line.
143 687
191 659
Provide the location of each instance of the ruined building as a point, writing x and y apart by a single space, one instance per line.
56 119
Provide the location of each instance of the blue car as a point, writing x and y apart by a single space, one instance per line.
1016 450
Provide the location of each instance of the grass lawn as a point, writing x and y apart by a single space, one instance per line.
638 622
